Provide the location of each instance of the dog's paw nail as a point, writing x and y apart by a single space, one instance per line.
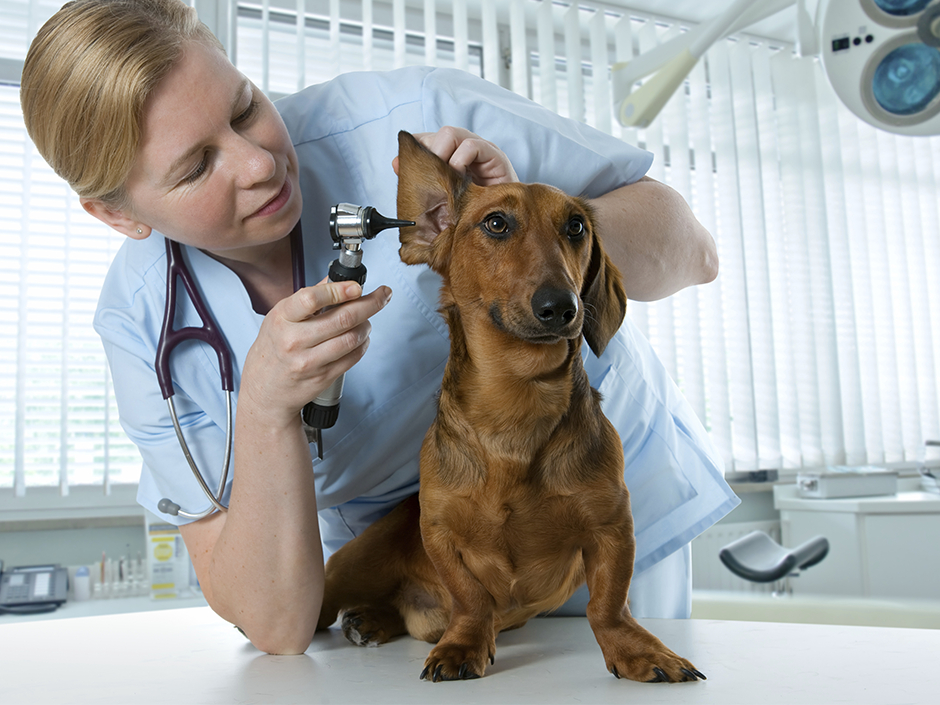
690 674
424 673
661 676
613 669
699 674
492 659
437 673
465 673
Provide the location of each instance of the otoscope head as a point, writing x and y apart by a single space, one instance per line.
351 224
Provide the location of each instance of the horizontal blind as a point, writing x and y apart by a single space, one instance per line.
58 418
285 45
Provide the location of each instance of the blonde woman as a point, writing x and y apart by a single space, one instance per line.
135 104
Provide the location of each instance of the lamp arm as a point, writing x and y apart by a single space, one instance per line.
675 58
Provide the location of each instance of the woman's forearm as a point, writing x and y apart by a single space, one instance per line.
652 236
261 563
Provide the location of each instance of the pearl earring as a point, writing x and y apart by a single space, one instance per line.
139 231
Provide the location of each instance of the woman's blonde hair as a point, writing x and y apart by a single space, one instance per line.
87 75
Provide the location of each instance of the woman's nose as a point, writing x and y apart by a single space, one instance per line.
256 165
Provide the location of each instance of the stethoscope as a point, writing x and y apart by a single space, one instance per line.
350 226
210 334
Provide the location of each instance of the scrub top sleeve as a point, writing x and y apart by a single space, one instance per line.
542 146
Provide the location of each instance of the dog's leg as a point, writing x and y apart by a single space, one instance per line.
470 638
630 651
365 578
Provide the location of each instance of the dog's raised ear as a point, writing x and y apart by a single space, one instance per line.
429 192
604 299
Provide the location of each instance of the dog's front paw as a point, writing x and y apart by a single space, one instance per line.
452 662
638 655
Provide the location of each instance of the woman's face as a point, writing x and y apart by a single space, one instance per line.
215 168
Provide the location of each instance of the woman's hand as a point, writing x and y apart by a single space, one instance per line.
306 341
465 151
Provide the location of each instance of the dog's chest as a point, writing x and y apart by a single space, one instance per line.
524 538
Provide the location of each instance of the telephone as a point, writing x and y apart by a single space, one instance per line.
32 589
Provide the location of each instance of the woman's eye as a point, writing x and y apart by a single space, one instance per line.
496 224
247 114
200 169
576 229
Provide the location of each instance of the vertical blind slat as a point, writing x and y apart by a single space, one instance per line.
367 34
430 32
461 35
265 45
491 48
733 282
600 74
301 49
519 47
837 195
761 412
548 95
575 79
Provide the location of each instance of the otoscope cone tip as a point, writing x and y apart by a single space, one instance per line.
376 223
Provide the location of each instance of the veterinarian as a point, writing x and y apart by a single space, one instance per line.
134 103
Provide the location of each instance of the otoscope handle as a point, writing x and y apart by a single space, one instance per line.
323 411
350 225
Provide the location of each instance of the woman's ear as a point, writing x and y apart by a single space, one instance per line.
114 218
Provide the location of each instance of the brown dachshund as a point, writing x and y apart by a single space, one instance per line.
522 495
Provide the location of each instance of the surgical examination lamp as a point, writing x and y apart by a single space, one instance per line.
881 57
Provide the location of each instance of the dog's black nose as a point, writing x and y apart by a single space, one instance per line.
554 308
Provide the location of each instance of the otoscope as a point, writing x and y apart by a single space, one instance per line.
350 226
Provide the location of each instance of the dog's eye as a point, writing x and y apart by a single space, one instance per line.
576 229
496 225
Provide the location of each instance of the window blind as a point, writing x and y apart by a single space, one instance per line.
58 421
818 344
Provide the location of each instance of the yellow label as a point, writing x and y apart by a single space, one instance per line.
163 551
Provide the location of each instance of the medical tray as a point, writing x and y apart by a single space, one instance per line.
837 482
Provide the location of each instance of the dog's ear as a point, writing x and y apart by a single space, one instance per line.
604 298
429 191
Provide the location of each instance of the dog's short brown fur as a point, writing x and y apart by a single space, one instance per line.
522 495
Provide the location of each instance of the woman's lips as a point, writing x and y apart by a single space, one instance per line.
276 203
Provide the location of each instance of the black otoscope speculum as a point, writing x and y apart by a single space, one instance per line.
350 226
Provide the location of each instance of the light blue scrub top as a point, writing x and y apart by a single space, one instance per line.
345 134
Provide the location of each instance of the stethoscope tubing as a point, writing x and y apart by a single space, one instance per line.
210 334
214 498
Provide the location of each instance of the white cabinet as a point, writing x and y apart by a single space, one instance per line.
887 546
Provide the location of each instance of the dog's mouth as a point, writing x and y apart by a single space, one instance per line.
530 329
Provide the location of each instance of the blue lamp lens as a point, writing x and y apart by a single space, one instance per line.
907 79
902 8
